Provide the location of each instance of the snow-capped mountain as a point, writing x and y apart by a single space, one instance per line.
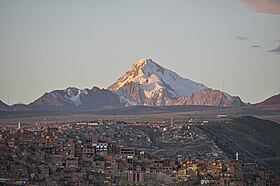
147 83
77 99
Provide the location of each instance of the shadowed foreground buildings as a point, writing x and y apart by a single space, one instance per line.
42 155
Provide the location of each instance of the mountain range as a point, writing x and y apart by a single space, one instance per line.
145 83
74 99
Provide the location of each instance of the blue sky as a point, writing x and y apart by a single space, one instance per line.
224 44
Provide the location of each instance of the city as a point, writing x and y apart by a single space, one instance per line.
107 152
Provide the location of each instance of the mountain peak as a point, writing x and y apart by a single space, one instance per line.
144 61
154 84
141 62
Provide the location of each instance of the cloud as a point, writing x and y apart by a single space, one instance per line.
256 46
241 38
276 50
266 6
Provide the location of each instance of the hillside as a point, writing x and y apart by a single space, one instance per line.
273 100
4 106
251 137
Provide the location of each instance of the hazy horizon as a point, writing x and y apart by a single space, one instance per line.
232 46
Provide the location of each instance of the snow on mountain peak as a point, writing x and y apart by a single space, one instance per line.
141 62
73 94
156 81
150 74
